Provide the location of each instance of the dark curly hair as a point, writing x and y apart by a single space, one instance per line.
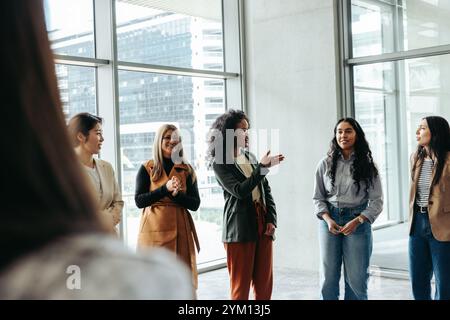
439 146
363 168
217 136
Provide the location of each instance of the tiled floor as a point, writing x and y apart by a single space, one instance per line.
390 247
292 284
390 253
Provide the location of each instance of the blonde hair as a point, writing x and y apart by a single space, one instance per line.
158 154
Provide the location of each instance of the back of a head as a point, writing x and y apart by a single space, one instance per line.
112 272
45 194
45 191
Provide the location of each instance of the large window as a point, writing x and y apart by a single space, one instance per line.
188 35
70 26
77 89
140 64
397 62
147 100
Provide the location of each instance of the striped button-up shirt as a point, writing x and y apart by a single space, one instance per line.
424 183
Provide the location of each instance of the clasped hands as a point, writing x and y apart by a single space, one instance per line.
174 186
336 229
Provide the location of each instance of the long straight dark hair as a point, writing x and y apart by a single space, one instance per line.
45 195
363 168
439 146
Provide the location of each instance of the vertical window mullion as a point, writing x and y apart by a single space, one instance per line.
233 52
347 108
107 93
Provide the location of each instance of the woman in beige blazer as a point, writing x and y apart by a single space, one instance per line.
87 137
429 240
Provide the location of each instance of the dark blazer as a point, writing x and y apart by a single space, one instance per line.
239 218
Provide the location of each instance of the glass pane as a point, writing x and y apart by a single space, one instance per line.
375 110
70 26
146 102
372 27
427 92
422 90
171 33
77 89
426 23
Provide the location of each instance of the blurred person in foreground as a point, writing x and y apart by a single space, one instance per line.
54 245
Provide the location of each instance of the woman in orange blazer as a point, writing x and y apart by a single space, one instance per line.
166 188
429 240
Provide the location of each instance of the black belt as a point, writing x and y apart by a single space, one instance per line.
422 209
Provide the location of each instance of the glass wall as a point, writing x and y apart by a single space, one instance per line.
385 26
178 47
70 26
148 100
180 37
77 89
374 109
393 86
149 34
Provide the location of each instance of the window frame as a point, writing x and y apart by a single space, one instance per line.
346 65
107 65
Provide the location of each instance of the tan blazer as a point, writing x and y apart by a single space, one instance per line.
111 203
439 201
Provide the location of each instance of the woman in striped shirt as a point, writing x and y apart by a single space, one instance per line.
429 241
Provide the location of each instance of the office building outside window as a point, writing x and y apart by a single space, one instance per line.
169 69
395 70
399 66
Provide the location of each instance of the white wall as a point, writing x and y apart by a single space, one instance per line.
291 86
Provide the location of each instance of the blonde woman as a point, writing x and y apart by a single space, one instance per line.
86 133
166 188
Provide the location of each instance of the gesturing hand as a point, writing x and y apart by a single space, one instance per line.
268 161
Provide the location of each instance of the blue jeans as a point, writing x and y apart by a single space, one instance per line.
353 250
427 256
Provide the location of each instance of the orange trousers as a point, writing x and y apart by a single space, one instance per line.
250 264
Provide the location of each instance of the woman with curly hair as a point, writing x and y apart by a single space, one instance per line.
249 219
429 240
347 198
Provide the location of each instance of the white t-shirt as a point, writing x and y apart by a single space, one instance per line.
94 176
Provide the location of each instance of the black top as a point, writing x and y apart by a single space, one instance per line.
144 198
